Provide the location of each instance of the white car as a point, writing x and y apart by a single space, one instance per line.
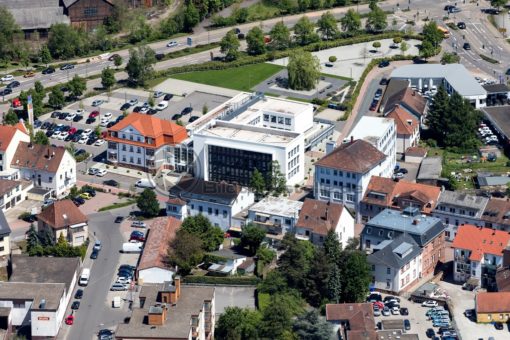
83 140
172 44
386 311
133 101
80 112
123 280
144 109
429 303
70 116
99 142
104 122
395 310
101 172
162 105
107 115
97 102
86 132
7 77
93 171
55 134
63 135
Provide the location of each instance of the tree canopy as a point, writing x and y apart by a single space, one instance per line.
252 236
304 32
107 78
280 36
238 324
328 26
304 71
41 138
255 41
56 98
201 227
351 21
148 203
229 45
77 86
139 67
186 251
376 20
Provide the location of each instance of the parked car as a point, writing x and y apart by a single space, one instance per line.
384 63
137 236
7 77
407 324
192 119
75 305
168 96
94 254
123 280
377 311
430 332
158 94
78 294
498 325
378 94
119 219
461 25
113 56
386 311
118 287
29 74
112 183
162 105
101 172
395 310
97 102
78 201
66 67
125 106
138 224
77 118
466 46
48 70
384 81
105 334
13 84
93 114
429 303
176 116
172 44
5 91
404 311
85 195
186 110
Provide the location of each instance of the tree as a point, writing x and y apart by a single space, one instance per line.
309 326
356 276
148 203
229 45
185 251
351 21
139 67
32 238
10 118
432 34
277 319
252 236
274 283
200 226
191 17
45 55
376 20
498 3
8 30
435 116
257 184
56 98
376 44
372 4
108 78
397 40
327 26
450 58
316 289
77 86
295 261
280 36
304 32
278 182
427 50
65 41
117 60
304 71
255 41
334 284
41 138
404 46
237 324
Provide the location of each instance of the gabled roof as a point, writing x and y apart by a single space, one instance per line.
397 253
7 132
38 157
497 211
7 185
380 191
416 151
61 214
357 156
481 241
155 252
319 216
493 302
359 315
160 130
414 101
34 14
406 122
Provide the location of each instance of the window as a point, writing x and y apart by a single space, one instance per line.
388 283
225 214
287 121
368 231
138 150
388 270
350 197
273 119
216 211
280 120
373 267
266 118
51 179
139 161
200 209
209 211
90 11
288 221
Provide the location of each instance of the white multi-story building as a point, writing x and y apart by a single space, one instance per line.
47 167
381 133
145 142
10 137
408 128
218 201
250 132
342 176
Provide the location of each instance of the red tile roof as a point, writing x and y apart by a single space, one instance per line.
176 201
155 252
406 122
357 156
380 185
481 241
414 100
35 156
7 132
62 214
162 131
497 211
319 216
7 185
493 302
416 151
359 315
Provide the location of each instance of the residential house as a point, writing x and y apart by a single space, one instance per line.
41 269
385 193
415 154
492 307
144 142
219 202
398 93
318 218
48 167
497 214
38 306
10 138
5 238
11 193
455 208
342 176
153 266
171 311
396 264
427 232
381 133
228 262
277 215
88 14
408 129
478 253
352 320
430 171
176 208
64 218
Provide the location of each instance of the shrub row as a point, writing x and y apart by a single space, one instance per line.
223 280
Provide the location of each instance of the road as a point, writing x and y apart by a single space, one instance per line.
95 313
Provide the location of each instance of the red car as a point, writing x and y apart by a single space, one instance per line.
70 319
72 131
379 304
137 237
94 114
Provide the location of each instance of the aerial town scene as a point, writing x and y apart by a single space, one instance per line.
255 169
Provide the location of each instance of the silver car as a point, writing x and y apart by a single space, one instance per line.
118 287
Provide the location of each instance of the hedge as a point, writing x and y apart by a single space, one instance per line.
223 280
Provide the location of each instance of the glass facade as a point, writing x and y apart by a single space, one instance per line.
236 166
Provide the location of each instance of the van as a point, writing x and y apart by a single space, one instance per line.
85 276
145 183
116 302
131 247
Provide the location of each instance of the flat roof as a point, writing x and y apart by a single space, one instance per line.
277 206
455 74
430 168
178 321
370 128
397 220
51 293
247 133
499 116
461 199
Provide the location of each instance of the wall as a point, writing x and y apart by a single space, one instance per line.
452 221
12 198
11 149
5 245
493 317
432 253
89 13
345 227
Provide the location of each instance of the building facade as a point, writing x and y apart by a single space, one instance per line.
11 193
10 138
5 238
408 129
64 218
88 14
276 215
492 307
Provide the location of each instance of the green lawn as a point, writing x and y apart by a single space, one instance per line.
238 78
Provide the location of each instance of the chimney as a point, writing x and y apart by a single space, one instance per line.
506 255
352 139
177 284
330 146
414 93
157 315
415 222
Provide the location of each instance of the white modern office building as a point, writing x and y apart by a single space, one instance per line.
381 133
250 132
455 77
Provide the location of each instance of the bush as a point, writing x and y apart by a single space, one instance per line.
332 59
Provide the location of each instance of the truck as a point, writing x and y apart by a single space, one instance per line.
85 276
132 247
